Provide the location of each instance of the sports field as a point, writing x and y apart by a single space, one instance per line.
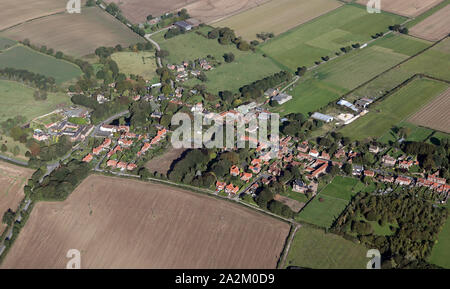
276 16
330 202
140 63
313 248
440 255
22 57
76 34
17 99
394 109
325 35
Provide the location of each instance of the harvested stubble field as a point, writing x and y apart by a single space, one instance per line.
408 8
435 27
277 16
137 11
162 164
435 114
210 11
14 12
75 34
12 181
122 223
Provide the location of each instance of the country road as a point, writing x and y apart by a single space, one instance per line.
158 59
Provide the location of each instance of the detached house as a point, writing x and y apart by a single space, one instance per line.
234 171
389 161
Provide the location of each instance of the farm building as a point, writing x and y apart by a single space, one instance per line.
322 117
345 103
364 102
282 98
183 25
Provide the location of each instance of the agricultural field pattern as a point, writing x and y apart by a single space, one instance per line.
262 136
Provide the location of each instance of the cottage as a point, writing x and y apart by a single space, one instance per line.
314 153
403 181
220 186
388 160
369 173
231 189
246 176
374 149
234 171
111 163
88 158
131 167
357 170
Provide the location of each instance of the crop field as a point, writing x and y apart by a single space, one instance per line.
435 114
75 34
313 248
394 109
246 68
137 11
12 181
209 11
22 57
162 164
408 8
325 35
14 12
168 227
141 63
330 202
17 99
276 16
440 255
331 80
435 27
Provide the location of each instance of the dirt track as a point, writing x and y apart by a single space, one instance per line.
122 223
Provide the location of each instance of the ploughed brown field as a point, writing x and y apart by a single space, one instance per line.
209 11
137 11
435 27
408 8
435 114
75 34
13 12
123 223
161 164
12 180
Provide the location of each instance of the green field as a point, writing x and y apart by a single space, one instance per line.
5 43
17 99
325 35
21 57
440 255
140 63
394 109
433 62
335 196
333 79
246 68
313 248
417 133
